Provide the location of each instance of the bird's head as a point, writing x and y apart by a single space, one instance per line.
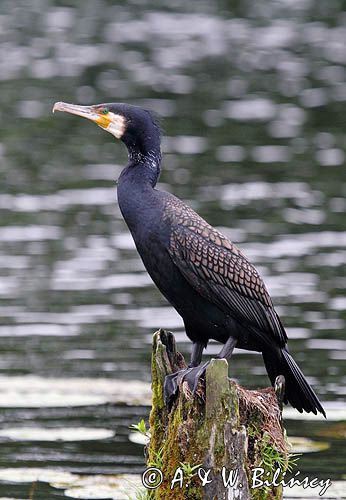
135 126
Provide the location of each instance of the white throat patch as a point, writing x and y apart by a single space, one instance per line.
116 125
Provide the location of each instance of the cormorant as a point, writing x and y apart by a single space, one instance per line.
218 293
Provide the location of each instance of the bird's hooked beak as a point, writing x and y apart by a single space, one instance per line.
99 114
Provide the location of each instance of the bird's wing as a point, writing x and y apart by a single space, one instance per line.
221 273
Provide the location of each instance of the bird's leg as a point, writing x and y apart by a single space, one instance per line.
172 381
227 350
196 354
193 375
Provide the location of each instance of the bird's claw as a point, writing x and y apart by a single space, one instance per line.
191 375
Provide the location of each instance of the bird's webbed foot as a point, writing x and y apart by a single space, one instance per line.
173 382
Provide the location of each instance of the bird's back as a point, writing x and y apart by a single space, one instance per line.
219 271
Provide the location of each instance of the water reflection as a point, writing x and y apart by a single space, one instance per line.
253 100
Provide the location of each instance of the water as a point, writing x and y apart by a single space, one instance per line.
252 100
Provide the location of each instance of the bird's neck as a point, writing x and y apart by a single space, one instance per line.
136 193
142 170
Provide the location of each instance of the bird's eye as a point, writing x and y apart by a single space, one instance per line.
104 111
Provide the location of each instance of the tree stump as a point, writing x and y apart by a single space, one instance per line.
225 429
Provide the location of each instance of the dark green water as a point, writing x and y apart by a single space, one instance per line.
252 97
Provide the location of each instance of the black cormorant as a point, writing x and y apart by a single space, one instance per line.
207 279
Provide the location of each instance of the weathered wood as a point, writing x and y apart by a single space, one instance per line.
224 428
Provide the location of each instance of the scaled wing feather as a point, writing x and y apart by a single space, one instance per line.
221 273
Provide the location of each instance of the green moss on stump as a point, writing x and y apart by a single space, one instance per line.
223 426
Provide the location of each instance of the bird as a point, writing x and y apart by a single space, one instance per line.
208 280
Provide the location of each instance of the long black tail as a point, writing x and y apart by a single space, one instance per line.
297 390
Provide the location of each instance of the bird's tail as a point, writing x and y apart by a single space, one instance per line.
298 392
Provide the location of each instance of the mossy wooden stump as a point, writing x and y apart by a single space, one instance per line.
225 429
